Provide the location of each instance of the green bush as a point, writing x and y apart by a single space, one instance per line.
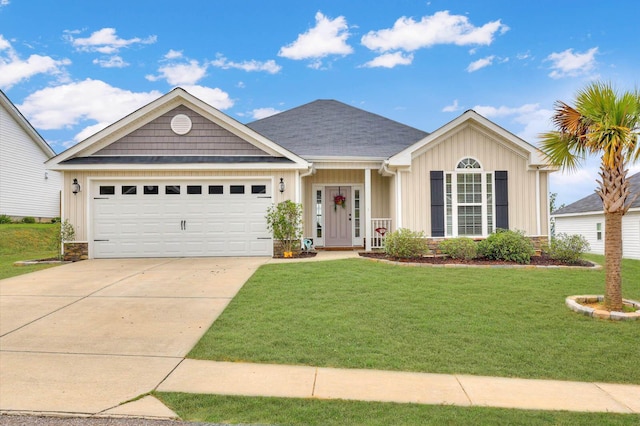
5 219
56 220
567 248
284 220
28 219
459 248
507 245
405 244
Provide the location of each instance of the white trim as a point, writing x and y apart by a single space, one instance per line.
179 166
538 212
455 204
367 210
399 211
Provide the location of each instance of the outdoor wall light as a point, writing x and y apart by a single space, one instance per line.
75 186
281 186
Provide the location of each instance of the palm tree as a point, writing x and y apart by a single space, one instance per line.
605 123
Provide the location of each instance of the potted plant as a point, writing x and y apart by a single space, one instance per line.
284 220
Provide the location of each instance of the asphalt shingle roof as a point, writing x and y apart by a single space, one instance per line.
328 128
593 203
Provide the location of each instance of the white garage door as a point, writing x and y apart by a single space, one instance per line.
180 218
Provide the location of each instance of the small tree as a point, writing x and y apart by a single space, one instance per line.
284 220
64 234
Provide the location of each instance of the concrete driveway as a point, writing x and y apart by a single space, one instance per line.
88 336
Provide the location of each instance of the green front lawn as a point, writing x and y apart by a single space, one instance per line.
25 242
360 314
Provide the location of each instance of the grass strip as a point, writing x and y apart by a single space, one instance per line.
286 411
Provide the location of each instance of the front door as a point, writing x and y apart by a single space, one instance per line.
337 217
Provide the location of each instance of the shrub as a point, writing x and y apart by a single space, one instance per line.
56 220
567 248
65 233
5 219
28 219
284 220
459 248
507 245
405 244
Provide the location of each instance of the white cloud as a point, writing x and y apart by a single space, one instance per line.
14 70
452 108
269 66
532 119
177 74
328 37
480 63
4 3
441 28
259 113
69 105
105 41
569 64
112 62
503 111
213 96
173 54
390 60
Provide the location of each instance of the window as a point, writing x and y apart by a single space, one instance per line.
194 189
129 189
356 212
216 189
319 213
172 189
107 190
151 190
599 231
236 189
469 200
258 189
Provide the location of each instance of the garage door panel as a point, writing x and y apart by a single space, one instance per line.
175 225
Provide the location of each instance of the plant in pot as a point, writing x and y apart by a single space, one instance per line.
284 221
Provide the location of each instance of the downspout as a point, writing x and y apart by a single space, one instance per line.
309 172
539 213
385 170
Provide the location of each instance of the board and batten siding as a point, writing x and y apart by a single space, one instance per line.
586 225
493 154
27 188
75 207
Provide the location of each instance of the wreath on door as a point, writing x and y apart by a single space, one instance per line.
339 200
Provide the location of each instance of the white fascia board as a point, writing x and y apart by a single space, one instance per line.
163 104
591 213
181 166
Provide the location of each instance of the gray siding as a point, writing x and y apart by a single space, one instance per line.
157 138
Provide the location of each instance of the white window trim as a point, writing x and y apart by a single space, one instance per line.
454 199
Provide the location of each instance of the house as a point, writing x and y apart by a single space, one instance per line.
180 178
586 217
27 188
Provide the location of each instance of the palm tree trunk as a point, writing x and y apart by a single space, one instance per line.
613 260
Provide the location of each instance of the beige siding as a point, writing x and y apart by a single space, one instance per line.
75 207
380 191
493 153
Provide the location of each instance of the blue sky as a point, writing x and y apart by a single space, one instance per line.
73 67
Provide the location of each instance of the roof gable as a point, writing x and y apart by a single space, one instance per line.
469 118
124 136
325 129
593 202
14 113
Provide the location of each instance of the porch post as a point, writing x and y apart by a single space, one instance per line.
367 209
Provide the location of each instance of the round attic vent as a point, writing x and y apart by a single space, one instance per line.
181 124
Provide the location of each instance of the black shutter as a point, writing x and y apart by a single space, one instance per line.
502 200
437 203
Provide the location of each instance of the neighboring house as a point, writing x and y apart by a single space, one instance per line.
586 217
27 188
180 178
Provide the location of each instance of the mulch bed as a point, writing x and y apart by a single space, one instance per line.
443 260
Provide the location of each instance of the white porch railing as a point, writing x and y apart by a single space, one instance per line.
379 228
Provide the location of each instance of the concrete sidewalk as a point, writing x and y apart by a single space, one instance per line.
226 378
